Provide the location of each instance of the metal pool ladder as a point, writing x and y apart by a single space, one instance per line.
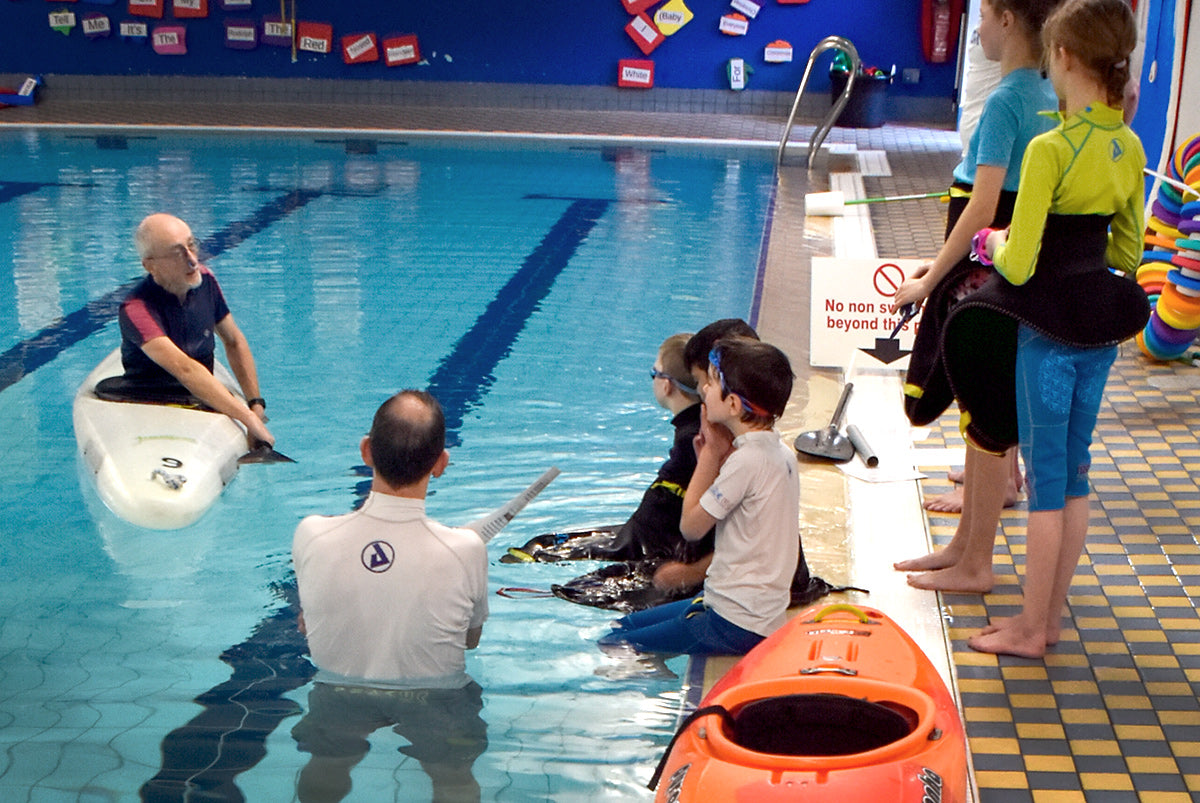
828 43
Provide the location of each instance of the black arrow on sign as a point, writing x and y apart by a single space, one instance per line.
887 350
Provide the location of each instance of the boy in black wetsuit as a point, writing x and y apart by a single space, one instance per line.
652 532
687 562
655 562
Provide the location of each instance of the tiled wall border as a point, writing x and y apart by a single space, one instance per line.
223 89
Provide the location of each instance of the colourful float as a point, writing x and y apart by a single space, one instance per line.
840 704
1170 270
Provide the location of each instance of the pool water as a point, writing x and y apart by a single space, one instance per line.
527 284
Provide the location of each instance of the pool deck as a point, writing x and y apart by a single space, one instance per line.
1113 712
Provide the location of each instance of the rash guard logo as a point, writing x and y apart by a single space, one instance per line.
378 556
1116 150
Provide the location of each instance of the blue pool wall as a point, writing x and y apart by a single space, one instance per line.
574 44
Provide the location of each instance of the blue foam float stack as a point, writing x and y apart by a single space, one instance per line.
1170 269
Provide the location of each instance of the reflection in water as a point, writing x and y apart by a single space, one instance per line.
443 726
201 758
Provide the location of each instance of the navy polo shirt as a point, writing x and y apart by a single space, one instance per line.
150 311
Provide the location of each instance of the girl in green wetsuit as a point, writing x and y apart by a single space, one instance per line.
1078 212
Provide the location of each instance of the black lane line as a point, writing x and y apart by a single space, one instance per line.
10 190
201 759
466 374
35 351
204 756
239 231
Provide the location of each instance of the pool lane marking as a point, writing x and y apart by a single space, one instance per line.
537 196
239 231
228 736
11 190
465 375
35 351
272 661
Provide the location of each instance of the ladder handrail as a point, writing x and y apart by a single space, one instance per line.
828 43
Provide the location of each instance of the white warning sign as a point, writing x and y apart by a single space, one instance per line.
854 314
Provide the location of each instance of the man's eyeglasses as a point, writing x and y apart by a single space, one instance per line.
656 374
714 359
181 250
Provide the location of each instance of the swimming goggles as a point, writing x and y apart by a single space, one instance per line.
655 374
714 359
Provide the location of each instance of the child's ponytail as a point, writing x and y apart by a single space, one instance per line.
1115 80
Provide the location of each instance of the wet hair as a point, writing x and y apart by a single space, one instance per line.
1032 14
758 371
670 354
695 353
1100 34
405 446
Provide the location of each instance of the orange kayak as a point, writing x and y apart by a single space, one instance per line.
839 704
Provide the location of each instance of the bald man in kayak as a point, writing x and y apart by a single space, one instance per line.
167 326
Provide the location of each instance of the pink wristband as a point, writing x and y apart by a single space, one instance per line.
979 246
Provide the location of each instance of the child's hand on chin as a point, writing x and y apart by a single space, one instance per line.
712 436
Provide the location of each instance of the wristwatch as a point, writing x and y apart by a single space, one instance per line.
257 400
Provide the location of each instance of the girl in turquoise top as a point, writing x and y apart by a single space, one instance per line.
1078 211
984 190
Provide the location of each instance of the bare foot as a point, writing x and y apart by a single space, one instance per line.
1009 640
952 501
940 559
954 579
949 502
956 475
1053 632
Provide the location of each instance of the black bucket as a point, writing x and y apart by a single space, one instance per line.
864 108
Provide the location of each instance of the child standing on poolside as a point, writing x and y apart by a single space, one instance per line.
1078 211
747 485
984 190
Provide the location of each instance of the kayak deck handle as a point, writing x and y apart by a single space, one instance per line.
843 607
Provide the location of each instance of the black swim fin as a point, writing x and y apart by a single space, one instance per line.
263 453
804 594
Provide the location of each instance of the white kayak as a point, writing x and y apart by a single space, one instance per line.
158 466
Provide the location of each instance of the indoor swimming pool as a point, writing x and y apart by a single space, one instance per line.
526 283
